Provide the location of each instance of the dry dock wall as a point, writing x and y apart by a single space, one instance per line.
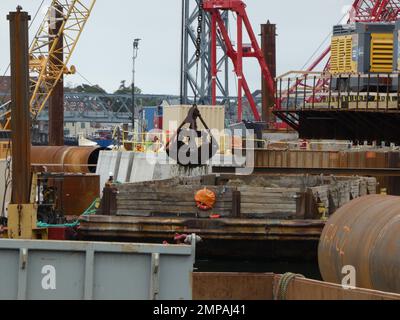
129 167
268 197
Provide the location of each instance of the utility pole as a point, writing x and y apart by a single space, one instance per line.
135 54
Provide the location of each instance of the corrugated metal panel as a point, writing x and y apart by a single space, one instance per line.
341 54
382 52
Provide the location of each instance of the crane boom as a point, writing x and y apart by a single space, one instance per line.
46 69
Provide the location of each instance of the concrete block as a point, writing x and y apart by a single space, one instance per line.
125 166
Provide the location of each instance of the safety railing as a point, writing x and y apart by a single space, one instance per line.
315 90
155 142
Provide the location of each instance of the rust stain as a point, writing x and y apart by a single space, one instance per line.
367 235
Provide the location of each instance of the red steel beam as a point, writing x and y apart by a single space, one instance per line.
238 7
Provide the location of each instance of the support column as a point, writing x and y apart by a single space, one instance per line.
239 66
214 70
21 118
268 47
56 100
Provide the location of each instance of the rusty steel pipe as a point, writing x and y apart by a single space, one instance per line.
365 234
65 159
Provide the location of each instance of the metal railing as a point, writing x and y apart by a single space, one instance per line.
315 90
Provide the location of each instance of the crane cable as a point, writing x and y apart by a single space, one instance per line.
198 47
322 43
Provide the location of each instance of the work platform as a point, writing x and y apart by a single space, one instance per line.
366 107
345 124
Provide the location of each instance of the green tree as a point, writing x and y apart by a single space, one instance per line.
85 88
123 89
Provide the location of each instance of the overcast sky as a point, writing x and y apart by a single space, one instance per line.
104 54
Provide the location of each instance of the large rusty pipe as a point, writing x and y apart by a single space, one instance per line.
65 159
364 234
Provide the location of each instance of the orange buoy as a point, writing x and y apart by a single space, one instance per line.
205 199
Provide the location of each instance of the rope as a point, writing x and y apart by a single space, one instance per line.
88 212
283 285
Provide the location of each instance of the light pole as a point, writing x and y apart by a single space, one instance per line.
135 54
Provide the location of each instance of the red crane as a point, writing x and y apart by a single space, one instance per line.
366 11
361 11
375 10
252 50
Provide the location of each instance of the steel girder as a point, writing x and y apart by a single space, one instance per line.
201 86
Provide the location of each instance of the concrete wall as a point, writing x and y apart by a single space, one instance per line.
140 167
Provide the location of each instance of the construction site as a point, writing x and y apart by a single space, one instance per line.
289 190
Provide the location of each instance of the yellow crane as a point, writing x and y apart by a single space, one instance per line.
46 69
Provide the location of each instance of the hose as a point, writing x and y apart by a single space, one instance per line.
89 211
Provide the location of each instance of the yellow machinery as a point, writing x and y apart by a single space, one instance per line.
22 219
381 58
359 53
362 48
341 55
